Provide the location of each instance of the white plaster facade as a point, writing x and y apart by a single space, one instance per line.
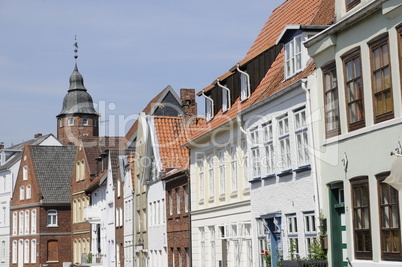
10 160
128 195
220 199
359 155
283 191
101 215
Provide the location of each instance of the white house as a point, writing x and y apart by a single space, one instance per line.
358 98
10 159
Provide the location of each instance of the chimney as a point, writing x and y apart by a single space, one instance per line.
37 135
188 105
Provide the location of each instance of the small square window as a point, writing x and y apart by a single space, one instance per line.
70 121
85 121
52 218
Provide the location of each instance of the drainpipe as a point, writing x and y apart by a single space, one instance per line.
248 79
212 103
309 122
229 102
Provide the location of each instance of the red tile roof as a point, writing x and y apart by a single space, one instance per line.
171 134
146 110
302 12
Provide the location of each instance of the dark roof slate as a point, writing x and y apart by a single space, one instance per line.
53 166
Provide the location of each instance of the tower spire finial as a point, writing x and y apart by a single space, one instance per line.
76 48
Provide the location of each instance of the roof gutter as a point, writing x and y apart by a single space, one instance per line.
345 22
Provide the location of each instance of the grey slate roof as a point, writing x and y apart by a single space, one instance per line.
53 167
17 156
77 100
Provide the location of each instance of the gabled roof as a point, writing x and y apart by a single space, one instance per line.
150 108
95 145
18 150
53 166
171 134
301 12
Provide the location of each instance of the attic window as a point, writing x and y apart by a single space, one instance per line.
293 58
244 84
209 107
226 101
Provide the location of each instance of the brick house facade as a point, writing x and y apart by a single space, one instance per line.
40 207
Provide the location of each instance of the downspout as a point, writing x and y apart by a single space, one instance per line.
212 104
314 161
229 100
248 80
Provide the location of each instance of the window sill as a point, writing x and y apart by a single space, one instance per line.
255 179
303 168
52 226
272 175
52 261
246 192
285 172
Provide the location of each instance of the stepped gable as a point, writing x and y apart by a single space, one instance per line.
53 166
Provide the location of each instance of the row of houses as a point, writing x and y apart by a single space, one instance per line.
292 160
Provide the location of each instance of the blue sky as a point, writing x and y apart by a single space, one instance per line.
128 52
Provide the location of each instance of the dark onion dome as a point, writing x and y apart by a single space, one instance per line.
77 100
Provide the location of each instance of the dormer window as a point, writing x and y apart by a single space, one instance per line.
226 101
244 84
209 107
293 56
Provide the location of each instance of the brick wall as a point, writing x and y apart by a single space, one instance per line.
68 135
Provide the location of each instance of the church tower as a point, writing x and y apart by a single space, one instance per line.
78 117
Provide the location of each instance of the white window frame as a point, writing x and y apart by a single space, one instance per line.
22 192
256 162
21 223
14 255
211 176
209 108
222 170
201 176
26 251
301 135
170 202
33 251
245 164
15 223
70 121
26 220
293 56
28 192
52 218
244 84
233 168
284 143
25 173
85 121
293 231
33 222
